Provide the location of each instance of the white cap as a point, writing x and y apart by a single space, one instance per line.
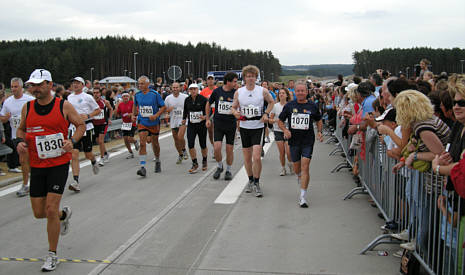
350 86
125 93
193 85
39 76
80 79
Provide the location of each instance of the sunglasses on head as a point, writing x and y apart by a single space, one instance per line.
461 102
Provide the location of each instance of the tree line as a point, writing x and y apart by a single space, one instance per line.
114 56
405 60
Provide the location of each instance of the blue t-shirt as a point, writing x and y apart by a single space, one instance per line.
300 116
148 104
367 105
292 91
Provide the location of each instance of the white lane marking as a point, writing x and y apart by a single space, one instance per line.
139 234
85 163
234 189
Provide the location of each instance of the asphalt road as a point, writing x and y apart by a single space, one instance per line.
177 223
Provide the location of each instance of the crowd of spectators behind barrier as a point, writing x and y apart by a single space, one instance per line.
415 117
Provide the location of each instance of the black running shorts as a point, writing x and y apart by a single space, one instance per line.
48 180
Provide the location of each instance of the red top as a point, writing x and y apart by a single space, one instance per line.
102 121
457 175
41 135
125 109
207 92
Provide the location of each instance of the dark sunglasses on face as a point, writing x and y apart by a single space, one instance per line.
461 102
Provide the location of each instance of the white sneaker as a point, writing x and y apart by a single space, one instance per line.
15 170
290 165
106 158
23 191
403 236
64 224
409 246
136 145
303 202
267 139
283 171
74 186
51 262
101 162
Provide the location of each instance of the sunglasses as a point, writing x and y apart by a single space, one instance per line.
461 102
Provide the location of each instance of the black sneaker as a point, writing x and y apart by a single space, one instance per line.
157 166
217 173
227 175
141 172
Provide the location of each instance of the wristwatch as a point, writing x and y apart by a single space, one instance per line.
73 141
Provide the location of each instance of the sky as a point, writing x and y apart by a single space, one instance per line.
298 32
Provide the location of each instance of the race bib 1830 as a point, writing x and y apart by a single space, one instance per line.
49 146
300 121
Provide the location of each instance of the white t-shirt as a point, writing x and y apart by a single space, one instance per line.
177 112
390 144
14 107
84 104
251 106
277 109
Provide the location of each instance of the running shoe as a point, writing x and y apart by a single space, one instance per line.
409 246
403 236
217 173
303 203
130 156
179 161
157 166
194 168
64 224
141 172
249 187
283 171
227 175
185 156
51 262
136 145
106 157
204 165
258 190
74 186
23 191
15 170
267 139
290 165
101 162
95 169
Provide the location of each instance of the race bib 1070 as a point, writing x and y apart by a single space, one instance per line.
300 121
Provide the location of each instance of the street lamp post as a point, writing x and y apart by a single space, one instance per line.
129 74
151 77
188 67
461 61
214 67
164 78
263 75
125 72
91 83
272 77
406 70
135 74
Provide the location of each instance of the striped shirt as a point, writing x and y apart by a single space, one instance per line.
434 125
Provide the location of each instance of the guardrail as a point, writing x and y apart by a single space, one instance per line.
417 206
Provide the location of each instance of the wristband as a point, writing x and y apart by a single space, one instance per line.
18 140
415 156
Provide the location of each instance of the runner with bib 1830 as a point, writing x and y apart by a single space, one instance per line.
248 108
224 123
148 107
43 132
300 115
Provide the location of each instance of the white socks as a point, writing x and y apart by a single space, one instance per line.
220 164
303 193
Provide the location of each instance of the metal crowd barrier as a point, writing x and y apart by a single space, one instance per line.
417 204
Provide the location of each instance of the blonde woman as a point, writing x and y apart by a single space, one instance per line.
283 147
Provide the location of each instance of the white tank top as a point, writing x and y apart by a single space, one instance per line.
251 105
